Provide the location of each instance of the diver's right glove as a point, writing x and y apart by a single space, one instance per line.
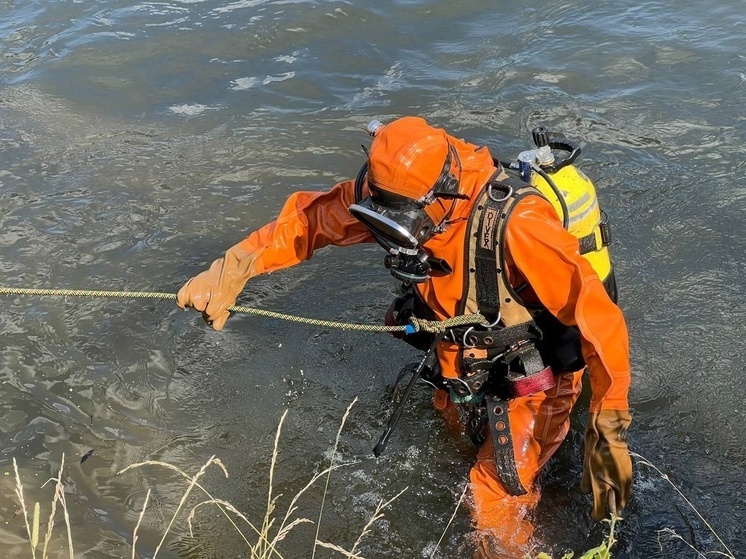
217 288
607 466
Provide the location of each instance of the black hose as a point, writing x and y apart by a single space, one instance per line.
553 185
359 182
556 190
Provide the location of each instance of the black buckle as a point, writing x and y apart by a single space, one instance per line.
605 230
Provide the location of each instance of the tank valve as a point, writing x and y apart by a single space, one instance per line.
374 126
544 155
541 136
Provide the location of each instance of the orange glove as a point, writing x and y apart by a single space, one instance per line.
217 288
607 466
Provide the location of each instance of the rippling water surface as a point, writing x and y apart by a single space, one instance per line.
139 140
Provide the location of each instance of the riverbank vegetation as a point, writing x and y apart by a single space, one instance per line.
263 538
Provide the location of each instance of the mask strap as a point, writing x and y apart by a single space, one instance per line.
446 175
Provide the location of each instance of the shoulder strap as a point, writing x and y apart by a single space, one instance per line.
487 289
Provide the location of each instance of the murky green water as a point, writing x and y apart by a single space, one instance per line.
139 140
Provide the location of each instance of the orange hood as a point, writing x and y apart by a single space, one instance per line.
408 156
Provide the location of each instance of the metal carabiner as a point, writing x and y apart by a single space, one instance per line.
499 316
492 197
463 338
463 383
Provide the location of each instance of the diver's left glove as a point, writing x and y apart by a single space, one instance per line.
217 288
607 466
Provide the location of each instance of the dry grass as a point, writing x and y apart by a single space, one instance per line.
32 529
604 550
671 533
263 538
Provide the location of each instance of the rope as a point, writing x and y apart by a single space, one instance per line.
416 324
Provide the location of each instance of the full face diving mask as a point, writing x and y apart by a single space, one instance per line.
401 225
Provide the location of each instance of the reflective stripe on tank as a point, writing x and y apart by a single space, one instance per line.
593 208
577 204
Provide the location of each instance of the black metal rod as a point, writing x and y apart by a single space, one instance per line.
396 416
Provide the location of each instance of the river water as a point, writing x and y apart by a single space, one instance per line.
138 140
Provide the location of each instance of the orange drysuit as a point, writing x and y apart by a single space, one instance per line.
538 251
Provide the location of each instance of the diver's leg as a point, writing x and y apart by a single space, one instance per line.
538 424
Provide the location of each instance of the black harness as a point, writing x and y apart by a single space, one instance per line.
501 360
498 361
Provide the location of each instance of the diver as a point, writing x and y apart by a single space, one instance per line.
466 238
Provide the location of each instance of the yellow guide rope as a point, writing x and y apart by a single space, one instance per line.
417 325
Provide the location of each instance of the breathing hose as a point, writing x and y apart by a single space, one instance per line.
553 185
556 190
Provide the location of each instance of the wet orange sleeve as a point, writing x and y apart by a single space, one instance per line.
566 284
307 221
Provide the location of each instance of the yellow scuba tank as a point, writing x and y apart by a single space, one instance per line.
573 196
